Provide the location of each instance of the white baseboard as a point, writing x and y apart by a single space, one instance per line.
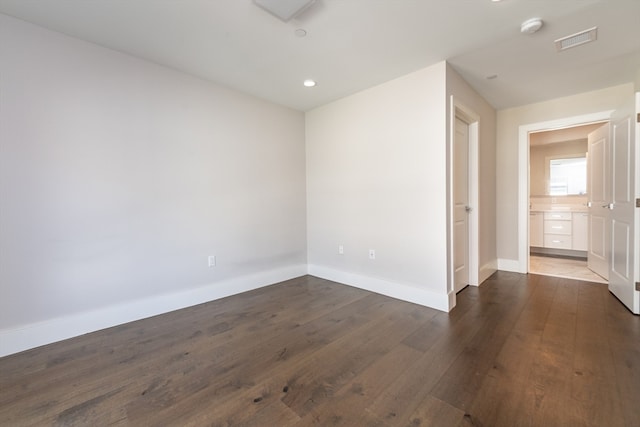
439 301
46 332
512 265
451 296
487 270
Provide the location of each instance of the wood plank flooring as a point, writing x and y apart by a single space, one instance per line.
521 350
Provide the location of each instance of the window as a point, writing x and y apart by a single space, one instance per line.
568 176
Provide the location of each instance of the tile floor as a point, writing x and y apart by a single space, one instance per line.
563 267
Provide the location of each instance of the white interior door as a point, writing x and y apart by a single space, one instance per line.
461 205
623 245
599 192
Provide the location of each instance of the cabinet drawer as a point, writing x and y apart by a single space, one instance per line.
558 241
557 227
557 215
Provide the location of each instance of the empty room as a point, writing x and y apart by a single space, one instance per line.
319 212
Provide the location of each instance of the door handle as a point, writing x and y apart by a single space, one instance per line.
468 208
608 206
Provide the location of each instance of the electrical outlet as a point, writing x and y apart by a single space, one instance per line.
212 260
341 250
372 254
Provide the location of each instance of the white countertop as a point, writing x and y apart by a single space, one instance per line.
560 208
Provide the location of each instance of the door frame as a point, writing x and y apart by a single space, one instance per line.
472 119
523 172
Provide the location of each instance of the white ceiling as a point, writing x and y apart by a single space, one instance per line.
355 44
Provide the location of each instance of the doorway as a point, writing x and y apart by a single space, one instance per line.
560 189
524 199
624 217
463 198
461 205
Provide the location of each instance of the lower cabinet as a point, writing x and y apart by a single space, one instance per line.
580 236
559 230
557 241
536 229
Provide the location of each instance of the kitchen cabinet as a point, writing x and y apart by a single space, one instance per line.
559 230
536 229
580 235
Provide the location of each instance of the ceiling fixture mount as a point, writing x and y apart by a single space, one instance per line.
309 83
300 32
530 26
577 39
284 10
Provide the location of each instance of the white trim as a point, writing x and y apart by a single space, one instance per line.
380 286
512 265
467 115
451 296
36 334
523 179
487 270
636 268
474 244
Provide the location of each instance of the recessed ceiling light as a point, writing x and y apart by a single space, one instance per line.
309 83
300 32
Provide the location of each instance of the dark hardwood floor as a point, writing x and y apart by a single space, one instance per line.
518 351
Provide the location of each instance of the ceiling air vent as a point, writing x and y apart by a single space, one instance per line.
577 39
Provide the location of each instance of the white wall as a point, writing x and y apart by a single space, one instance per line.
467 96
508 123
119 177
376 179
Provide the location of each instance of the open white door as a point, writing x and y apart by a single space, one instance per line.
599 192
623 216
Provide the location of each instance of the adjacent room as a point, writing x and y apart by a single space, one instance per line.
319 212
560 201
